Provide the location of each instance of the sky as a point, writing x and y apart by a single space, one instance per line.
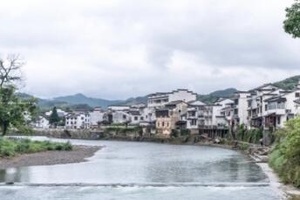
116 49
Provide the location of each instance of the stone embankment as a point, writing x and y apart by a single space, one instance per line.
257 152
69 134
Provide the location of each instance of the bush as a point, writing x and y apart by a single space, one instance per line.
185 132
285 157
12 147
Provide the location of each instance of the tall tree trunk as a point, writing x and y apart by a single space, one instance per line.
4 127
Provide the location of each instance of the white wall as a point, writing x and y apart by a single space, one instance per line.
95 117
242 108
182 95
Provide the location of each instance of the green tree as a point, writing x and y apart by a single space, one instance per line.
54 118
14 111
292 22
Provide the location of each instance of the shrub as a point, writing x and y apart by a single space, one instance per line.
285 157
12 147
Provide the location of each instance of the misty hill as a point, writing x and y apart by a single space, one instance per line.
135 100
289 83
82 99
214 96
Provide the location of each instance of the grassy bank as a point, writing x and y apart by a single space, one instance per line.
285 157
13 147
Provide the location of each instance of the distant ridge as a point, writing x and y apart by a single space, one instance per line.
81 101
289 83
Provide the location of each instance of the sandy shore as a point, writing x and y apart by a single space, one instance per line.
78 154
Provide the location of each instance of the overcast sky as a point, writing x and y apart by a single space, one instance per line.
117 49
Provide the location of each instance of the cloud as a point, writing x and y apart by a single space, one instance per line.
121 48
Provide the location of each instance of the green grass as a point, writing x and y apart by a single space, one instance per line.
13 147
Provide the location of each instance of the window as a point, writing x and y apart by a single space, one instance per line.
142 118
158 124
124 116
163 124
135 118
297 94
193 122
266 107
236 111
82 118
278 120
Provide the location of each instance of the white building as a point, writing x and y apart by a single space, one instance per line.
159 99
194 116
118 107
120 117
96 116
281 108
218 117
77 121
41 123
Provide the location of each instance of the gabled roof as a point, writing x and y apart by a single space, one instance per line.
263 86
134 112
196 103
158 93
297 101
276 99
175 103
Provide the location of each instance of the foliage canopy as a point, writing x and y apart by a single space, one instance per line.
292 22
14 111
285 157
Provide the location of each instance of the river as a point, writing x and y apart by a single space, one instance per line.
133 170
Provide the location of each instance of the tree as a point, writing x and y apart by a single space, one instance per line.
54 118
14 111
292 22
10 70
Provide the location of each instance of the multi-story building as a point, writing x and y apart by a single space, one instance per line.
168 116
159 99
77 121
194 116
96 117
281 108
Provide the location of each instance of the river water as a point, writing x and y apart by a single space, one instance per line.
132 170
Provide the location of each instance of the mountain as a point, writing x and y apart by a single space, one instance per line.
214 96
82 99
289 83
78 101
135 100
224 93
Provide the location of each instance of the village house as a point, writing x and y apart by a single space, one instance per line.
77 121
41 123
96 117
158 100
194 116
281 108
167 117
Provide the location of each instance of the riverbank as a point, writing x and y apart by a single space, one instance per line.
78 154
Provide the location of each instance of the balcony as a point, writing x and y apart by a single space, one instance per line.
276 112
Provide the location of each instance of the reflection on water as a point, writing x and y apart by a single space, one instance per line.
141 163
13 174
